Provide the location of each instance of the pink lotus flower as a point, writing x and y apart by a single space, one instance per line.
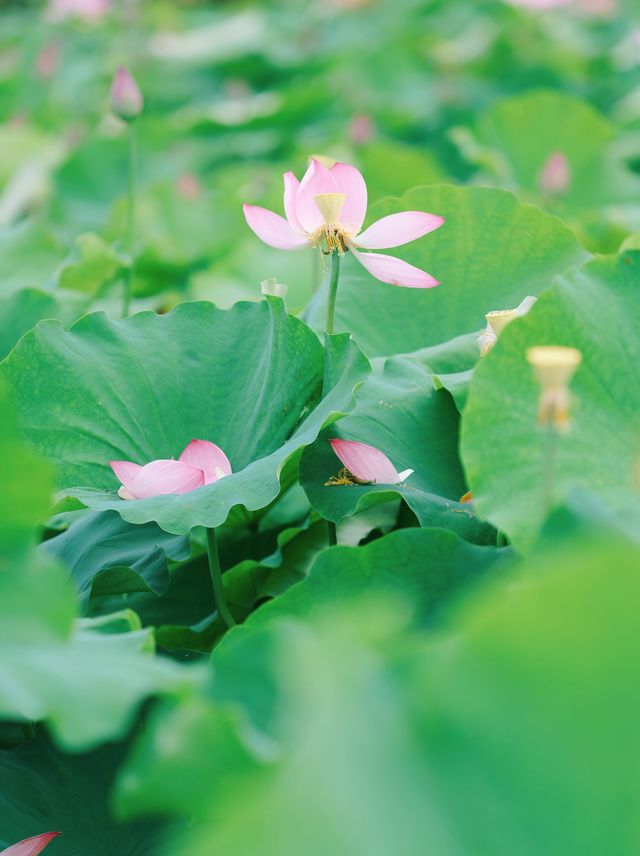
201 463
126 99
327 209
30 846
366 463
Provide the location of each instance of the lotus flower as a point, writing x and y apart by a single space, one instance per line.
30 846
201 463
366 463
555 176
327 209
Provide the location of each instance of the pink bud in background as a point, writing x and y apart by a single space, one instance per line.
126 99
87 10
360 129
47 61
555 176
188 186
30 846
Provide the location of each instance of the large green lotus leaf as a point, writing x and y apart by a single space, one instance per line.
290 750
595 309
87 688
531 713
43 788
26 484
24 308
249 379
491 252
427 566
398 411
107 555
527 129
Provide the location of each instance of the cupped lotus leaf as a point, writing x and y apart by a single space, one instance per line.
504 448
491 252
252 379
400 413
42 787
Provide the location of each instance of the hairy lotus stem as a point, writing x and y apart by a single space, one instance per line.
334 276
216 580
131 220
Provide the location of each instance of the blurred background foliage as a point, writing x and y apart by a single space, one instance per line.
416 692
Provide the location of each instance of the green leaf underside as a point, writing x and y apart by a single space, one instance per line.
249 379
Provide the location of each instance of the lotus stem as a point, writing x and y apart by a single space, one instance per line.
131 219
216 580
334 276
549 450
333 533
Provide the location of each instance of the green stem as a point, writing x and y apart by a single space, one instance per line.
216 580
501 539
334 275
333 533
130 238
549 467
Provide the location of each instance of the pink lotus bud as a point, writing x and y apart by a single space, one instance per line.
47 61
126 98
361 129
555 176
188 186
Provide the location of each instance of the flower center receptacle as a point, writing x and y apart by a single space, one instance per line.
332 234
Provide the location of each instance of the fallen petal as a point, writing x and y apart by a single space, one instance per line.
397 229
30 846
317 180
273 229
395 271
366 463
206 456
349 181
163 477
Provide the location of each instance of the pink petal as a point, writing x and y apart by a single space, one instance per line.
398 229
365 462
162 477
207 457
291 185
125 471
30 846
350 181
273 229
317 180
395 271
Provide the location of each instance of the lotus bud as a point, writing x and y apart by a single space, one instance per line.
273 288
126 99
554 367
555 176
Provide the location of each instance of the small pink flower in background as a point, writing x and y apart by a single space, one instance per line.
367 463
126 99
88 10
199 464
555 176
30 846
327 209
